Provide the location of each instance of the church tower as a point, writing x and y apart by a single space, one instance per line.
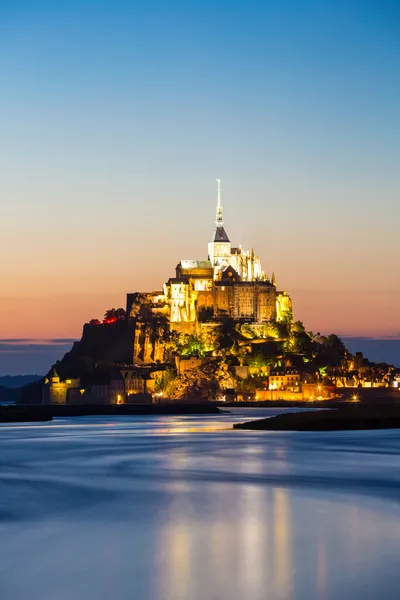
219 249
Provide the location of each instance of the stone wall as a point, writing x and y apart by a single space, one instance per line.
186 364
255 301
61 392
278 395
147 343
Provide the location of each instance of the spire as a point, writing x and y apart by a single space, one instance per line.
220 218
219 233
273 280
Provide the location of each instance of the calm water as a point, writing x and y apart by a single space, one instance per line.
185 509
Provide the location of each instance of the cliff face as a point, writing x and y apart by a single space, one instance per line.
100 345
112 342
124 341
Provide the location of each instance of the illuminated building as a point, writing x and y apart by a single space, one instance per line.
230 283
119 385
57 391
284 379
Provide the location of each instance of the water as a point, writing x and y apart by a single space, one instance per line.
165 508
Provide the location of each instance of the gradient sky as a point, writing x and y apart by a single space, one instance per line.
117 116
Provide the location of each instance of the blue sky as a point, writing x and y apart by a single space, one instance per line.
116 118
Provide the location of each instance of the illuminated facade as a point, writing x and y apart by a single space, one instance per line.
230 283
284 379
57 391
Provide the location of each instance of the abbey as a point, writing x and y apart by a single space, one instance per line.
230 283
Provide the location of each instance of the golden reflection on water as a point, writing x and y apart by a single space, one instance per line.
179 426
253 536
283 543
174 550
250 553
179 430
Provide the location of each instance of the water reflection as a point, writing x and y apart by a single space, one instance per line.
253 541
175 559
185 510
283 543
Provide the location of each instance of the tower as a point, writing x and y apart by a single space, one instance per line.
54 377
219 249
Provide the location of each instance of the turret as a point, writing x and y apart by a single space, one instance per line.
54 376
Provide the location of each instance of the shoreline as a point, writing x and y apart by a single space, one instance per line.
36 413
345 418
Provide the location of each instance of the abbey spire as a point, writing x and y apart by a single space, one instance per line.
220 218
219 249
219 233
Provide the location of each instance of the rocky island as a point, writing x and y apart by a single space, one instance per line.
220 329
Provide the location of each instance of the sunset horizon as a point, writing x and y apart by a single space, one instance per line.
37 343
340 308
25 337
200 299
118 122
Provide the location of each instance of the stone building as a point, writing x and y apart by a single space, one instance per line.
231 282
57 391
284 379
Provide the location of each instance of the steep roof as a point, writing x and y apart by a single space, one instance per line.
230 274
220 234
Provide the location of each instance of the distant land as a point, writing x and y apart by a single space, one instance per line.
8 395
17 381
23 357
10 386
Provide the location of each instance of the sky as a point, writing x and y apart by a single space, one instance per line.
116 117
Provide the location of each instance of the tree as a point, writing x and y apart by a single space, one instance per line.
240 352
247 331
114 314
194 347
261 360
270 330
172 344
165 380
226 332
94 322
333 350
283 329
120 314
298 327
